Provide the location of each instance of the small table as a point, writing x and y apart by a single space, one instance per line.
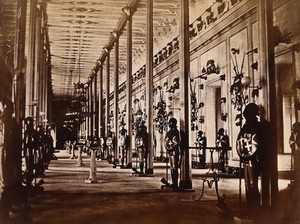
211 177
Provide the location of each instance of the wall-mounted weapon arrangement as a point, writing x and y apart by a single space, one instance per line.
238 98
175 85
241 83
138 114
111 120
162 116
195 108
210 68
121 118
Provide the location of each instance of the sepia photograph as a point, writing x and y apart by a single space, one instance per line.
149 111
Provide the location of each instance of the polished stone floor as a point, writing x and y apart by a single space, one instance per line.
122 198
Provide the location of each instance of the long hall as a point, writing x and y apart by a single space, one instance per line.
149 111
121 197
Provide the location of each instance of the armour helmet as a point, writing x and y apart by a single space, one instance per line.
172 122
251 110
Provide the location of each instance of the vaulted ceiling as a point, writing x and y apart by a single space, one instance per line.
79 30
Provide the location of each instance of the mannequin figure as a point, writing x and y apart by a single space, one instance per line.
223 142
141 143
249 149
172 145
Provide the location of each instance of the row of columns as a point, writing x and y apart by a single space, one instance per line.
19 61
30 59
37 90
184 61
38 95
186 182
104 129
31 94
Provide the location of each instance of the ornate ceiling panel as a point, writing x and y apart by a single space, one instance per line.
79 30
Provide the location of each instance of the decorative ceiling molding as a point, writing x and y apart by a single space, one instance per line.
74 24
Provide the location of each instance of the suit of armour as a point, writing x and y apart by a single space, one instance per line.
10 160
223 142
249 148
294 142
172 145
141 142
123 148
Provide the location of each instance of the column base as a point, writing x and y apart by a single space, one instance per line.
116 161
150 172
125 167
92 181
138 174
186 185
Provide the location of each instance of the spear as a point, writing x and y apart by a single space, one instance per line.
234 66
242 66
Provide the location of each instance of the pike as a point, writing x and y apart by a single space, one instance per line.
242 66
234 67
